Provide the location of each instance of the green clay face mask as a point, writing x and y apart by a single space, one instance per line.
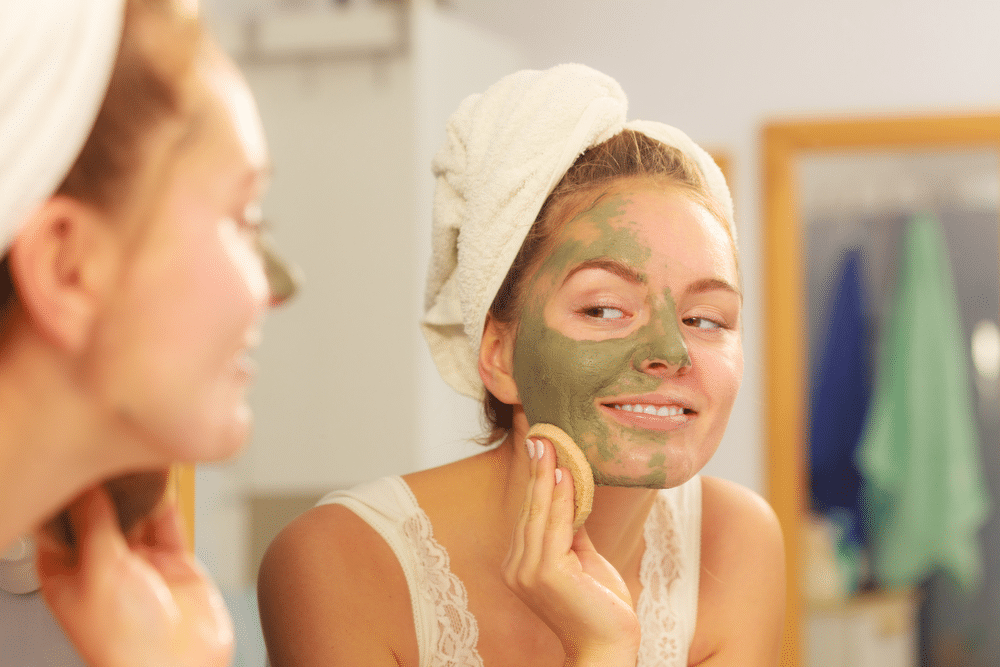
562 380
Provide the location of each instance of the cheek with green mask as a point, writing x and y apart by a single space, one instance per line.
561 380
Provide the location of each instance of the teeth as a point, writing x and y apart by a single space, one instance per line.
662 411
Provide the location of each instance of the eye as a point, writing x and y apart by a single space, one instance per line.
702 323
604 312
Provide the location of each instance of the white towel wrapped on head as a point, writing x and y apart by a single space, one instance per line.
505 151
56 58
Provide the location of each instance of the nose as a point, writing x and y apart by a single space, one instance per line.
663 349
283 279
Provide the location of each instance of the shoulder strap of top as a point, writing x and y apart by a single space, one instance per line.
386 505
447 633
386 499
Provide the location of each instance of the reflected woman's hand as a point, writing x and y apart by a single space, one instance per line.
562 578
141 600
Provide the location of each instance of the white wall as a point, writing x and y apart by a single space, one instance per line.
451 60
719 69
347 390
334 401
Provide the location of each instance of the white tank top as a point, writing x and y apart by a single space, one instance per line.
447 633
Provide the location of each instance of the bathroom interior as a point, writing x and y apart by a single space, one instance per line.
837 127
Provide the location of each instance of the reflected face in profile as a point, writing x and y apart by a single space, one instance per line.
193 291
630 338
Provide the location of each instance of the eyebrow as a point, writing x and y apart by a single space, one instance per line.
627 273
712 284
620 269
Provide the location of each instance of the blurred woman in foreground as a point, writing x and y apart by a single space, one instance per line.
132 291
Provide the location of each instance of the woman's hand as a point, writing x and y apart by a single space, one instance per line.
560 576
137 601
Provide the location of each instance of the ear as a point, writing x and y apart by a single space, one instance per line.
61 264
496 361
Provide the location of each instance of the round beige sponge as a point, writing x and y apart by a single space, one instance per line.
570 456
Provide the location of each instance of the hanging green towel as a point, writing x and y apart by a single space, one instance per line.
919 454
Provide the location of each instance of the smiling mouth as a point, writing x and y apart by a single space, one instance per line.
245 367
648 416
655 410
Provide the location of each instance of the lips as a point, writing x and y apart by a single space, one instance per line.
245 365
252 339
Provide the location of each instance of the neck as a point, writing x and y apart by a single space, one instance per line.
615 525
54 442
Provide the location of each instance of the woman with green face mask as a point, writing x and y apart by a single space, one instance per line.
584 276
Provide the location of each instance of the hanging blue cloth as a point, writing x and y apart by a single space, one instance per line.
925 497
840 397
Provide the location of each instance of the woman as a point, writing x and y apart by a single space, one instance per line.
132 291
585 275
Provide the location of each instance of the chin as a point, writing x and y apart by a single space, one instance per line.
232 440
644 476
218 439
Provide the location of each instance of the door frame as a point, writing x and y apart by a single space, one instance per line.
784 300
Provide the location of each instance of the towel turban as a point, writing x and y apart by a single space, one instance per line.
56 58
504 153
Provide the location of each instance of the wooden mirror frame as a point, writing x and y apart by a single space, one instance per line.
181 486
784 300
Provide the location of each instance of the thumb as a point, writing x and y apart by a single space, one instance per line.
53 556
62 540
90 520
95 524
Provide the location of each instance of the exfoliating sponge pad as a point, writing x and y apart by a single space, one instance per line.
570 456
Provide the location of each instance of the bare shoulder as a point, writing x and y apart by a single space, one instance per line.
331 592
730 510
742 582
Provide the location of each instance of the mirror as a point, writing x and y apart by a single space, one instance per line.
876 173
181 484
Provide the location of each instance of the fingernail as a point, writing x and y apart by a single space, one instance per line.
540 451
530 446
558 475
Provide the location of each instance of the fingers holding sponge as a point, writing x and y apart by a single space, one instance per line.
570 457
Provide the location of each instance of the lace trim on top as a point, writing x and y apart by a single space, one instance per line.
457 630
661 642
